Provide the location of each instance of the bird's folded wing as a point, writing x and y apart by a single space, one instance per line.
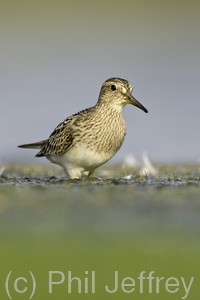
59 141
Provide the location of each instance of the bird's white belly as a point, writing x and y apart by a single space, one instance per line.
78 160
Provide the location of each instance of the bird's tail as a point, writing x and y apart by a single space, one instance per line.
37 145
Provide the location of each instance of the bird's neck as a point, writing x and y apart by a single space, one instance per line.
110 108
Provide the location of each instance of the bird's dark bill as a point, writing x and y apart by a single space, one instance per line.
136 103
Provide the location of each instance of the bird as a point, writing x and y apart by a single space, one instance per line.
91 137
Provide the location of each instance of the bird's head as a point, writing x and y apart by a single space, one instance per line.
116 92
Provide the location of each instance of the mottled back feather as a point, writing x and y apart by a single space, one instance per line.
61 139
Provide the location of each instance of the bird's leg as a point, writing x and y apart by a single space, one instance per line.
90 174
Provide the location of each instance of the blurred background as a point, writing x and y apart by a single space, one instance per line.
55 55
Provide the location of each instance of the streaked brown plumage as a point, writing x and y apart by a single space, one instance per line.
89 138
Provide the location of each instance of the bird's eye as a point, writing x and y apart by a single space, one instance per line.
113 87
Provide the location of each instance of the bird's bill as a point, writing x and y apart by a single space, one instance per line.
136 103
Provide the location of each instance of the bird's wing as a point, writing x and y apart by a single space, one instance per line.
59 141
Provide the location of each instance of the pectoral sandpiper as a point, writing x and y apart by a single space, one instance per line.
89 138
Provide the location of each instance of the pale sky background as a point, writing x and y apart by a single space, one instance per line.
55 55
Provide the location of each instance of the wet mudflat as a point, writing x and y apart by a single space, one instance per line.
122 220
